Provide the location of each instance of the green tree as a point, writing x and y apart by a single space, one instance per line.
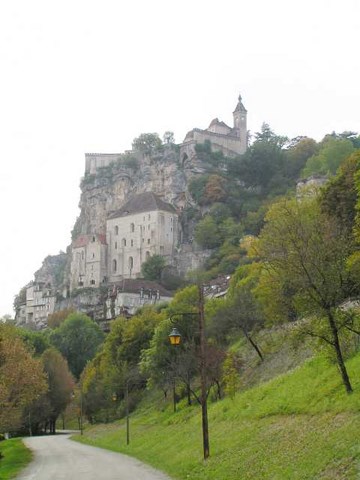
78 339
152 267
332 152
207 233
61 384
306 251
147 143
339 197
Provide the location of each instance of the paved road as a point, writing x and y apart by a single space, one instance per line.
59 458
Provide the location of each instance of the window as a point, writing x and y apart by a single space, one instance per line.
143 240
93 255
148 241
116 230
123 242
114 266
93 239
92 282
132 243
170 219
149 216
131 263
132 227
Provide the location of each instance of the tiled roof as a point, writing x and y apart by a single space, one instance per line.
240 107
143 202
83 240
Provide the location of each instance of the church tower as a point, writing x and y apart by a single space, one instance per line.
240 127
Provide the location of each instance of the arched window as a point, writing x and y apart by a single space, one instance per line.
116 230
132 227
123 242
131 263
114 266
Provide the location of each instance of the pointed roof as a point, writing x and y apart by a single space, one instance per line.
240 107
143 202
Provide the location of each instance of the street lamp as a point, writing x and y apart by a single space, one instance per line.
175 339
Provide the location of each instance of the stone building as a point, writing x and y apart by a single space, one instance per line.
144 226
229 140
40 303
89 261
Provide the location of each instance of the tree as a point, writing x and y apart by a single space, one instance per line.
207 233
332 152
61 384
22 379
339 197
55 319
306 251
78 339
152 267
168 138
147 143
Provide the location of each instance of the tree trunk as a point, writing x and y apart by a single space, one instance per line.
254 345
339 357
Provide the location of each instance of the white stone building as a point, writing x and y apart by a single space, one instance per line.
40 303
89 261
229 140
142 227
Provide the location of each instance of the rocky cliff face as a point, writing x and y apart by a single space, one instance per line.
111 186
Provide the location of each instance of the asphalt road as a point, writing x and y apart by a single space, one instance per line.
59 458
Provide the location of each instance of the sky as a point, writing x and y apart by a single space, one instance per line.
89 76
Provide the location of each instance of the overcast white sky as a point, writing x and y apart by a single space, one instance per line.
88 76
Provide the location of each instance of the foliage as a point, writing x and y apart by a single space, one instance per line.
21 378
231 377
339 196
207 233
305 251
61 383
57 318
37 342
152 267
168 138
20 299
78 339
332 152
147 143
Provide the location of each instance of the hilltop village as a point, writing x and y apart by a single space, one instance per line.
133 206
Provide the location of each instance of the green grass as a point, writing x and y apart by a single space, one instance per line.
15 457
300 425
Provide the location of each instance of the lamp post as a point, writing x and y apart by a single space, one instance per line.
175 339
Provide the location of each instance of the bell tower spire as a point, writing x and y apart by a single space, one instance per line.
240 128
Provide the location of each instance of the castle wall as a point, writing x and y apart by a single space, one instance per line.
93 161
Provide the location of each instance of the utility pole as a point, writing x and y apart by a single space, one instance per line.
205 425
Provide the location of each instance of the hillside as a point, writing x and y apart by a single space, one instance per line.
300 425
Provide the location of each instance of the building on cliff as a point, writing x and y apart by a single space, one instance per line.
39 304
144 226
231 141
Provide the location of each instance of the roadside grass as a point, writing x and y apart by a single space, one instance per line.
15 457
300 425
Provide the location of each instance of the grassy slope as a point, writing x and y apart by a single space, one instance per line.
15 457
300 425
